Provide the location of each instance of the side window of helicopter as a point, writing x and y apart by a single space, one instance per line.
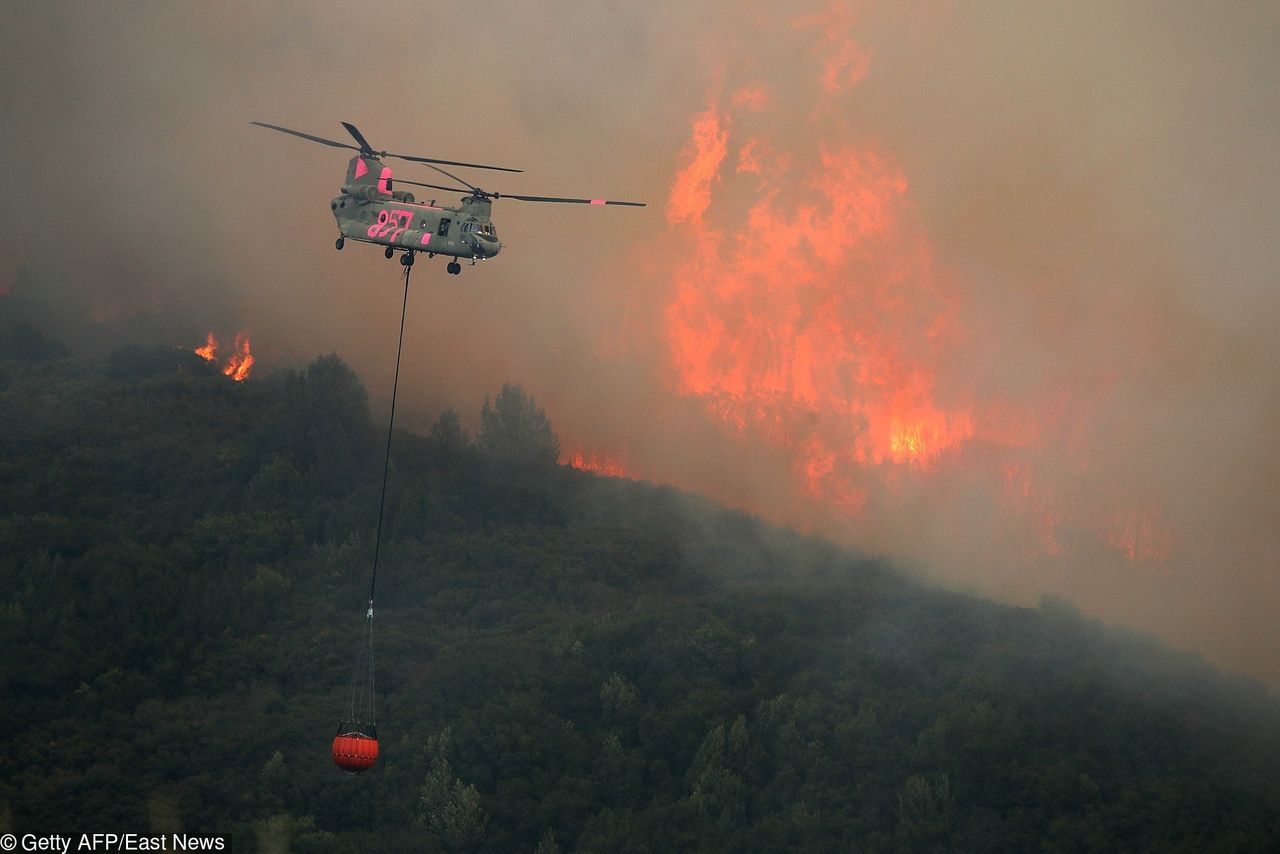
443 228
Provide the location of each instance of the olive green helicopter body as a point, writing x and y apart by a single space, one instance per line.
371 209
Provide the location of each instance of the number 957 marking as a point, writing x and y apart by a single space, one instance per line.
390 224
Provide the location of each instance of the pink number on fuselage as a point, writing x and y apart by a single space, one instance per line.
390 224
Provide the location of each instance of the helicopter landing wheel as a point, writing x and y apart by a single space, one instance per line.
454 268
388 253
339 243
407 259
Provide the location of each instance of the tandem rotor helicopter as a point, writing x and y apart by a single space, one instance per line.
371 210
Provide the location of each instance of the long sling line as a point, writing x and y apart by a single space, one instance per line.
382 503
386 461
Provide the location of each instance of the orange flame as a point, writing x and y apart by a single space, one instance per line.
238 363
601 464
823 308
691 192
241 360
812 317
209 349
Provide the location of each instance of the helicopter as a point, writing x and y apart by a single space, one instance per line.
371 210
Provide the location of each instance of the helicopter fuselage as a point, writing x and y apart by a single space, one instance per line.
396 220
370 210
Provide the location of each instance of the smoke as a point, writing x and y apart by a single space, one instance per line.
988 287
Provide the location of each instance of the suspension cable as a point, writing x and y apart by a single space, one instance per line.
357 694
386 462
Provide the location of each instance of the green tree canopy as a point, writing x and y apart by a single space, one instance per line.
448 435
514 428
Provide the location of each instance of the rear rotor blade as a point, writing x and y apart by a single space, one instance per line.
318 139
569 201
365 148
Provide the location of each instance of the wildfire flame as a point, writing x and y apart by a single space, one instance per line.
812 317
241 360
816 320
238 364
209 349
597 463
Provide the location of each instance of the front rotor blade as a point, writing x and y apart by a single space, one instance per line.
365 148
318 139
467 184
451 163
432 186
570 201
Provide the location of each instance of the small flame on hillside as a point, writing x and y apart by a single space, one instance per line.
241 360
238 364
601 464
210 347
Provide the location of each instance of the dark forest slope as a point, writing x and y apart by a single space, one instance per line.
563 660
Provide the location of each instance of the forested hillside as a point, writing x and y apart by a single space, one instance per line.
564 662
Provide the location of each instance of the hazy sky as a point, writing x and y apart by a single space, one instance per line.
990 287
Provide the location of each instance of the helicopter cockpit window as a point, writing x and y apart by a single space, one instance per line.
443 229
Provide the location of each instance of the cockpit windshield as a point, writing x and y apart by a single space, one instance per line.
476 227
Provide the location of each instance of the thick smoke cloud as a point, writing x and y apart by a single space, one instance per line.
1082 204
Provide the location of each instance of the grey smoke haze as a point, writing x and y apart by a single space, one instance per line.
1097 182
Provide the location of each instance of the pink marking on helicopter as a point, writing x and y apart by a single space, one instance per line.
384 180
426 238
390 224
361 169
375 229
597 201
